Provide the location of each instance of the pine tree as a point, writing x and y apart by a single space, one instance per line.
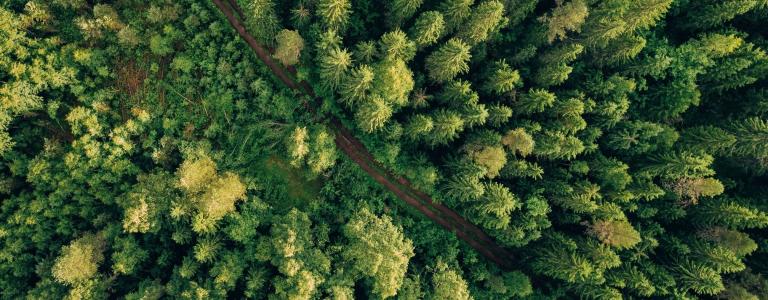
643 14
474 115
396 45
618 50
446 127
494 208
365 52
710 139
730 214
699 278
401 10
333 66
483 21
356 86
502 79
708 14
462 188
289 46
564 18
751 137
334 13
428 28
491 158
373 114
262 21
449 60
455 12
619 234
678 164
498 115
535 101
561 262
552 75
393 81
418 125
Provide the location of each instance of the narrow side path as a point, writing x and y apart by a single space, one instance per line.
356 151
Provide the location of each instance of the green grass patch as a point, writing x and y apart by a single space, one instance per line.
287 186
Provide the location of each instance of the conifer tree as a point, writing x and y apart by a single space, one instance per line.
491 158
679 164
698 278
262 20
393 81
401 10
710 13
428 28
561 262
333 66
730 214
564 18
446 127
356 86
474 115
365 52
396 45
463 188
535 101
643 14
334 13
619 234
751 137
710 139
498 114
418 125
484 20
495 206
455 12
502 79
519 141
448 61
373 114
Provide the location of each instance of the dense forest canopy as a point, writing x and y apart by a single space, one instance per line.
615 149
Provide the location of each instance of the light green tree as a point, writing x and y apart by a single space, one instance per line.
377 249
449 60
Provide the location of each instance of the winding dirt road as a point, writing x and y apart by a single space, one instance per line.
357 152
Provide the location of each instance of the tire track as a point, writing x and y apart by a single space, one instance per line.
357 152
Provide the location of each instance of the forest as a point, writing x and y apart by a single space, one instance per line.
384 149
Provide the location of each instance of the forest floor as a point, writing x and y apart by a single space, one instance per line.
355 150
300 190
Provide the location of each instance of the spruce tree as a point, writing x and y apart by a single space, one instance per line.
564 18
333 67
484 20
428 28
401 10
356 85
334 13
455 12
449 60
